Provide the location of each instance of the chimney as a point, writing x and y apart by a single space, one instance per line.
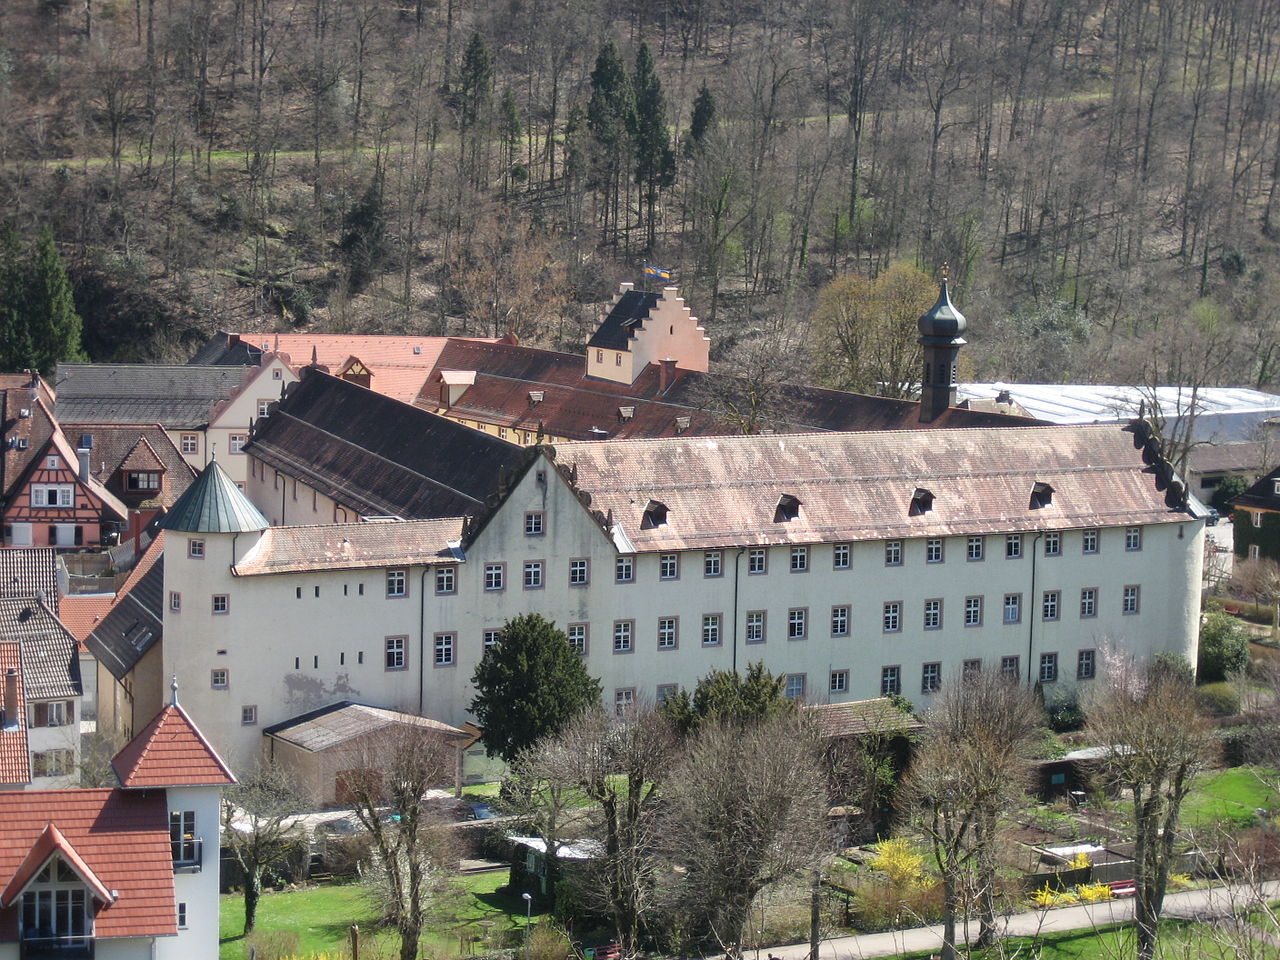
9 706
83 453
666 373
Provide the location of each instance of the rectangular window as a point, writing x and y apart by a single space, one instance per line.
51 463
264 407
711 561
221 603
493 636
624 701
237 442
971 668
892 617
1255 518
933 614
973 611
799 559
757 560
395 653
667 633
930 678
195 549
1049 604
1133 538
577 634
218 679
190 443
52 713
840 621
446 579
444 647
578 572
624 570
1129 600
495 576
1089 602
622 631
1086 665
533 523
890 681
797 623
1010 667
794 689
43 495
248 715
182 916
1053 544
839 681
397 583
974 547
1089 541
175 601
52 763
711 629
1255 551
533 574
933 550
755 626
142 480
893 553
1013 546
1048 667
840 556
669 566
665 692
1012 607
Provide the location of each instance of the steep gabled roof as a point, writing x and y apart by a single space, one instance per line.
49 844
50 661
1263 495
110 501
30 572
118 447
135 622
631 310
120 839
213 504
80 613
26 423
170 752
15 760
377 456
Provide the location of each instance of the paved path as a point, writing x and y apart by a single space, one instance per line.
1190 904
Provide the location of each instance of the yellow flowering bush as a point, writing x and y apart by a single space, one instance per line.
899 862
1080 861
1093 892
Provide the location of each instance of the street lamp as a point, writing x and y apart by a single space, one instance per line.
528 913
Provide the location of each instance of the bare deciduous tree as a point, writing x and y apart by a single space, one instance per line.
1260 581
260 827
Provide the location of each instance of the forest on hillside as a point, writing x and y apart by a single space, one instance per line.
1101 175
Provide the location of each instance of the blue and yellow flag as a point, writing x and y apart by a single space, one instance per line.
657 273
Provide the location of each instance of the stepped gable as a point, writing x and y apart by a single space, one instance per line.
213 504
170 752
631 310
379 457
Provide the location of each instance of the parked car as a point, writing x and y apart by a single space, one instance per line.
1212 517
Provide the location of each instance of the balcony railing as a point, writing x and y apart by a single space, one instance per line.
71 948
188 854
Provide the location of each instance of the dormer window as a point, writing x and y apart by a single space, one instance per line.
682 424
1275 487
55 912
142 480
625 414
655 515
535 397
921 502
788 508
1041 495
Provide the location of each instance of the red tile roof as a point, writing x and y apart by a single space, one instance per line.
49 843
15 761
80 613
121 837
170 752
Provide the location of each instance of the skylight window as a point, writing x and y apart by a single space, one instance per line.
788 508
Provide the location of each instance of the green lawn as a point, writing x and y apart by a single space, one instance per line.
320 918
1228 795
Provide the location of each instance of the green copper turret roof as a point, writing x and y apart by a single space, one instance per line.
213 504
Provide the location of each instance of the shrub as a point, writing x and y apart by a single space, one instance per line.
897 860
274 944
1218 699
548 942
1080 861
1064 715
880 907
1094 892
1224 647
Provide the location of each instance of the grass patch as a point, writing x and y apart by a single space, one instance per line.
482 791
321 918
1229 796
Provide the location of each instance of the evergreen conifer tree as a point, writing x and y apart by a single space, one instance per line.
52 322
611 118
702 120
655 162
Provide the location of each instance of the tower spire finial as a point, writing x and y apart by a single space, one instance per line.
173 690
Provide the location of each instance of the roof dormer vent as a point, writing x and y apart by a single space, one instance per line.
682 424
626 413
788 508
655 515
535 397
417 350
1041 495
24 413
921 502
597 433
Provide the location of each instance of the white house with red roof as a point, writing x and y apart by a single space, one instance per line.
127 872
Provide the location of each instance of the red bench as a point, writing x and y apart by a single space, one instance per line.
1122 888
610 951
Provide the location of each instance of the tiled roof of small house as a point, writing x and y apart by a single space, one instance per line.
118 447
213 504
170 752
351 546
30 572
727 491
50 660
340 723
135 622
15 760
377 456
860 717
174 395
120 837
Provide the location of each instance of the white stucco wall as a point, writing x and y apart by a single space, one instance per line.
197 889
289 650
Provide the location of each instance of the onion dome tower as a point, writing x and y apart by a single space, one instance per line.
940 336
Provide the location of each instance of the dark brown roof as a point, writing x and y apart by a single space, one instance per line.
1249 455
135 622
578 407
378 456
118 447
50 654
725 491
860 717
1261 495
631 310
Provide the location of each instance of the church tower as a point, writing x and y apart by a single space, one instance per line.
940 330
